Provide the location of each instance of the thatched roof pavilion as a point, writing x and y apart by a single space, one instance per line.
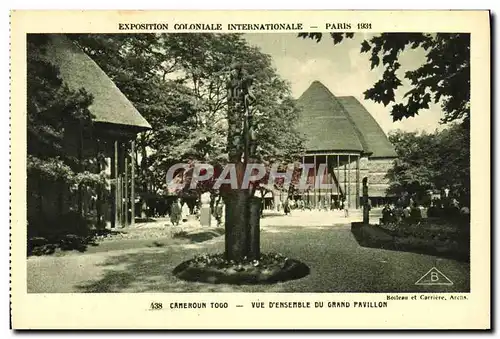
342 134
117 122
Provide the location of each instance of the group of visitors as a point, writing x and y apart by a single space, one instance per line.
448 207
179 212
412 212
392 213
323 205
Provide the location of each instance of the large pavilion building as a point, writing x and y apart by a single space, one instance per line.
343 136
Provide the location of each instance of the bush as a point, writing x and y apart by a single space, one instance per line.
56 225
428 229
69 231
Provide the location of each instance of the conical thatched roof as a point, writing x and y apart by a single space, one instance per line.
340 124
78 70
325 122
374 137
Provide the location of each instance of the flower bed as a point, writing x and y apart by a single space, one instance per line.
215 269
428 230
433 237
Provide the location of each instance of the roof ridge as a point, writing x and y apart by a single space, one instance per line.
371 131
362 139
370 116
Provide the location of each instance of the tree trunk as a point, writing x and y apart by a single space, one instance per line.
242 225
236 221
241 222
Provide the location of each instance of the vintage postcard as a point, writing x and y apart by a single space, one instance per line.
250 170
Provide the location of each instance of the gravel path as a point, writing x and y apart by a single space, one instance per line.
337 262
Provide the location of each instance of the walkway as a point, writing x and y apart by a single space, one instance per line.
337 262
315 218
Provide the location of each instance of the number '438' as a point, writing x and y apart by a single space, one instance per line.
156 306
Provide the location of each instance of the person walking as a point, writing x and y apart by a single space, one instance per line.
344 207
175 212
219 210
185 212
286 207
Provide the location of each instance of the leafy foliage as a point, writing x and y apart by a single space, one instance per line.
52 108
444 77
57 119
432 161
140 66
59 125
178 83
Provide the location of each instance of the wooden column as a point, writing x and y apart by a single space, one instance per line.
315 173
125 186
308 189
132 182
327 198
357 182
98 202
349 181
303 163
119 185
114 185
338 179
345 182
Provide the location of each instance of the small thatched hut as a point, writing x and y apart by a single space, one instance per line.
344 136
116 124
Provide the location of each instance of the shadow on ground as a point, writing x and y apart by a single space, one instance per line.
374 237
151 272
144 220
199 236
337 264
50 243
270 214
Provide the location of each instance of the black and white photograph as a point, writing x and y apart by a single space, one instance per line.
248 162
191 170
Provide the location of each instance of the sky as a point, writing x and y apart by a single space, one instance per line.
344 70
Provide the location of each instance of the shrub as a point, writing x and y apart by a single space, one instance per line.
68 231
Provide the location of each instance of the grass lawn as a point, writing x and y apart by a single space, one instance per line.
337 262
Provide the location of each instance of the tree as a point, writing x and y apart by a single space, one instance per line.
57 118
206 61
413 171
453 162
431 161
141 66
444 77
274 116
426 161
178 82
